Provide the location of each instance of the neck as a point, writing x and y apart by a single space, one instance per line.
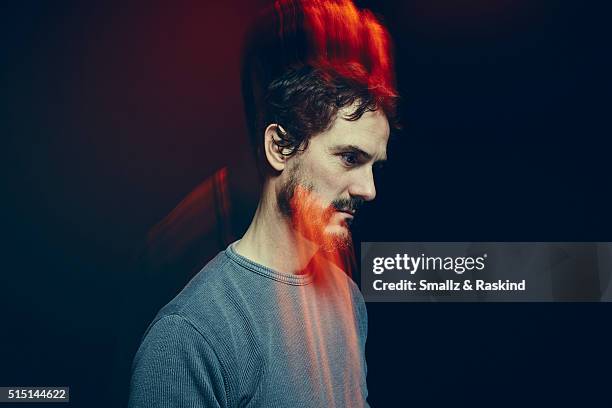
271 241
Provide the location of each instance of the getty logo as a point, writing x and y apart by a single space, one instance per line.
412 264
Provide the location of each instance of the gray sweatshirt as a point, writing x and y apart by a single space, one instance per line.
243 335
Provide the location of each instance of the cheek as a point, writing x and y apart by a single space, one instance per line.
326 175
330 185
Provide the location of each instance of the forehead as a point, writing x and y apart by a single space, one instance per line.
369 133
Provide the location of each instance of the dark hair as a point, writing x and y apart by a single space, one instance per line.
304 60
305 101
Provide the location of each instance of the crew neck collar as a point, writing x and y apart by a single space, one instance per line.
288 278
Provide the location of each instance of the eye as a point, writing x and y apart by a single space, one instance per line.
349 158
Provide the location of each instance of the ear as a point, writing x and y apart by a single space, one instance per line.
274 153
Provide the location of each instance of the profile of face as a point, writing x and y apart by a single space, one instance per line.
323 186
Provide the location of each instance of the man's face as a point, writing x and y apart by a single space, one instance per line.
323 187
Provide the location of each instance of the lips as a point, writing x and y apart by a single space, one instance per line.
348 221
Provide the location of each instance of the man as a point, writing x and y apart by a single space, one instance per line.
274 320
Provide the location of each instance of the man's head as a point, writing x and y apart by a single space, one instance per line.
320 189
319 97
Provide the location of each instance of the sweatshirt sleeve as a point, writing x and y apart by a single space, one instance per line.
176 367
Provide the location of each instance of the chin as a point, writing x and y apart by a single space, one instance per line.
337 229
336 238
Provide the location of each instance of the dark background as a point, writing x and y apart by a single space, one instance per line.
112 112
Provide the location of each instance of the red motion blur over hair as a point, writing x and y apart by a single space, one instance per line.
337 36
331 36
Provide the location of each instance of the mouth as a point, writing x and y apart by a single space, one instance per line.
349 212
349 218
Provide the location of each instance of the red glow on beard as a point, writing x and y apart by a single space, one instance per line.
311 218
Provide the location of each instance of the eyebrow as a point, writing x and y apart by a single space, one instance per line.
355 149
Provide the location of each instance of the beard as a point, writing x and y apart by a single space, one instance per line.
298 201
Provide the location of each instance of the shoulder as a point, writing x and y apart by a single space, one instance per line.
209 319
204 294
213 304
212 301
171 332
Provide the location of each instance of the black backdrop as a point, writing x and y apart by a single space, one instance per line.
112 112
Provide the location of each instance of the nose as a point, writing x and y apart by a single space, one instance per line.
363 185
